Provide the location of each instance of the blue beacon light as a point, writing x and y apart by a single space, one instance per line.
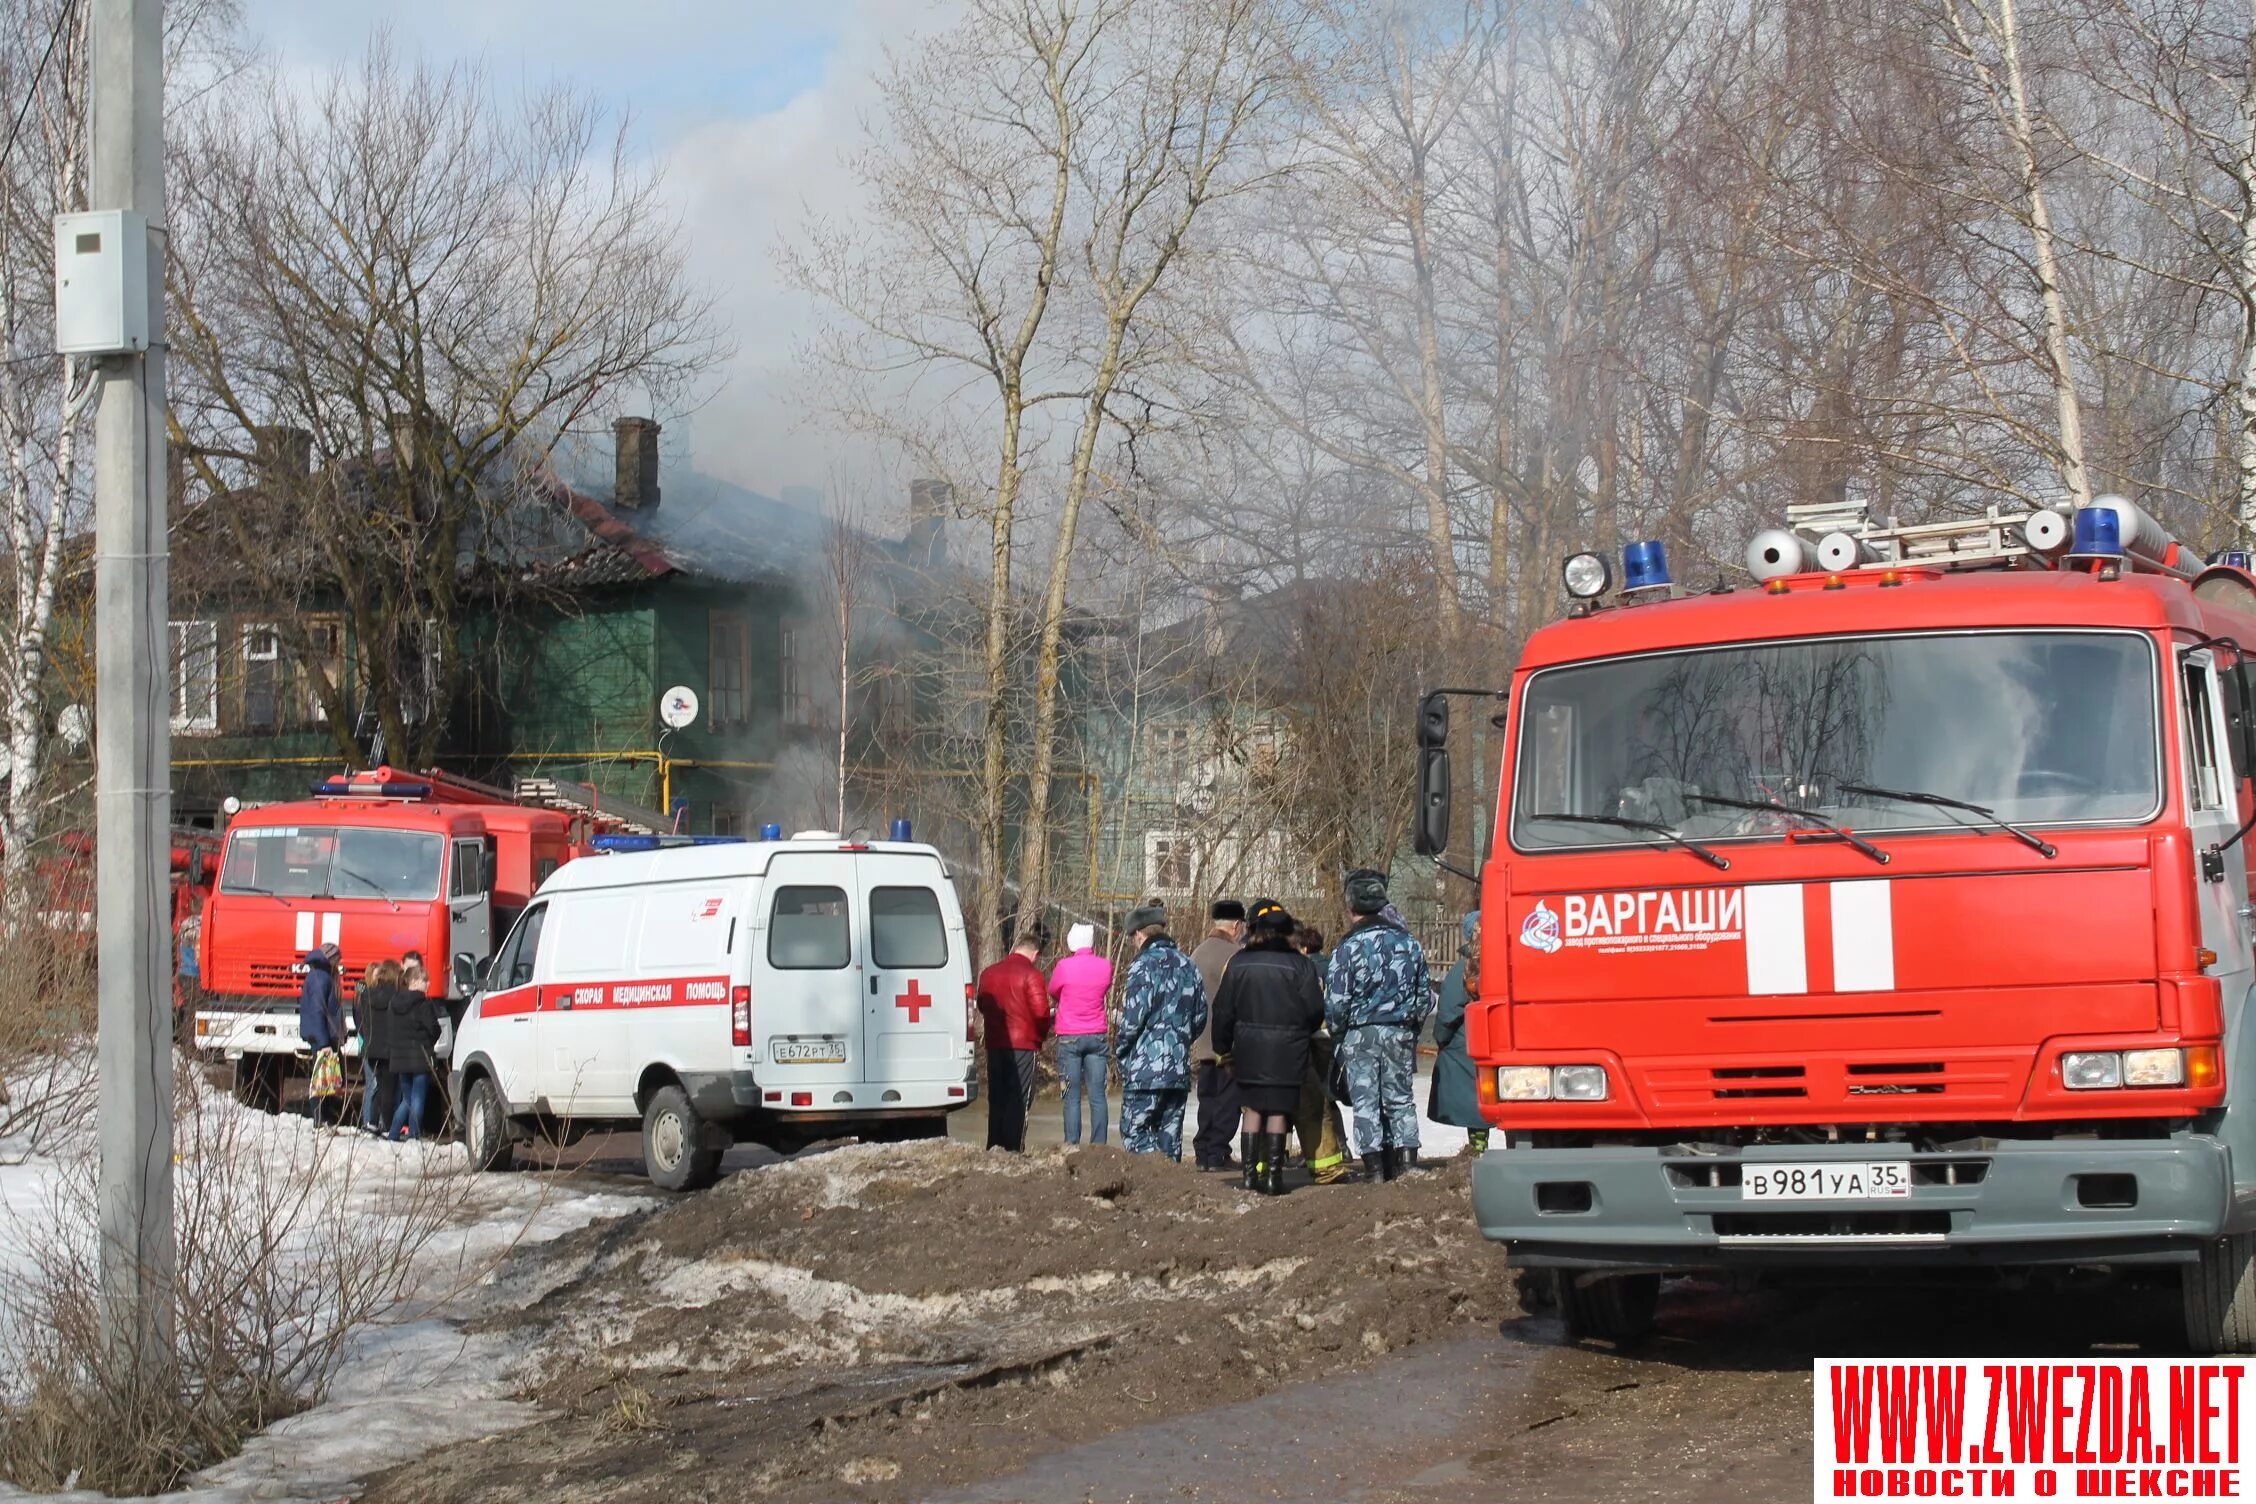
2099 534
771 832
1644 566
901 831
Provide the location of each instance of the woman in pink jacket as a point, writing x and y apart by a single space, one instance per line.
1079 982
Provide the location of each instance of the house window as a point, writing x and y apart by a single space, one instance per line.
195 676
262 679
1171 753
895 705
798 710
325 641
1167 862
419 683
729 652
725 820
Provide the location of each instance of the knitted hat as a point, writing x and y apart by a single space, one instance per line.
1080 937
1366 891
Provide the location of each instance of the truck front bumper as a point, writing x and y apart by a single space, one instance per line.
2036 1201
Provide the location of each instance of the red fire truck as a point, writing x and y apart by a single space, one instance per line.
379 863
1890 912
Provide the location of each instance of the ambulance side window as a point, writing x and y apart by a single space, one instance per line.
514 966
808 930
2204 785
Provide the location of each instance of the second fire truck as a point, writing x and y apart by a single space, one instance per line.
1891 912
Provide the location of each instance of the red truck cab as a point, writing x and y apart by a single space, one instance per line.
379 864
1883 915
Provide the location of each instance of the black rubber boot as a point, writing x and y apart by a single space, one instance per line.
1390 1164
1273 1178
1250 1146
1408 1164
1375 1168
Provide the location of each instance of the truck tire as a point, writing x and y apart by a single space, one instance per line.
1617 1309
673 1151
258 1082
2220 1296
485 1127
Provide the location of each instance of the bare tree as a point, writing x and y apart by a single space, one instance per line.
436 288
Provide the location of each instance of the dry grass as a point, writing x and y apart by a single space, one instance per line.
282 1259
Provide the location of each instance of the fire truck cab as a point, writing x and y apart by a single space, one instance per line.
1890 912
380 864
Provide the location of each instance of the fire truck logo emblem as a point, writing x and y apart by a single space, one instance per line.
1540 930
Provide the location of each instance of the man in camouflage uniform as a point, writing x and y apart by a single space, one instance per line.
1163 1007
1377 995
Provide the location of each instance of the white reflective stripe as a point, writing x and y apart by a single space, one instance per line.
332 925
305 931
1777 951
1864 936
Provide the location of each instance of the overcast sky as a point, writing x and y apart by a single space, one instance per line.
746 104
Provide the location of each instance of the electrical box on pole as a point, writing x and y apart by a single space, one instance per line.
101 283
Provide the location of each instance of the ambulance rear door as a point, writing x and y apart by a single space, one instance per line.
807 985
913 994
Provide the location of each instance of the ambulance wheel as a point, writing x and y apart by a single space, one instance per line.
485 1127
672 1138
2220 1296
1618 1309
258 1082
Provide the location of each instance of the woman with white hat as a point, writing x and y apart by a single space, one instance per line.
1079 982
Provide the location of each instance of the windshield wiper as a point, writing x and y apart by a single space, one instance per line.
1808 817
2030 839
375 888
1623 822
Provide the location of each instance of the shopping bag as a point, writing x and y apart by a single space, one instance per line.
328 1075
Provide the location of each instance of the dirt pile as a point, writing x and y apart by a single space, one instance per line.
877 1322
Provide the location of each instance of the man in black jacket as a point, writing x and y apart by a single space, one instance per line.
1217 1089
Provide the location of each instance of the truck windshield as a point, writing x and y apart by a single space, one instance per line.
331 861
2039 727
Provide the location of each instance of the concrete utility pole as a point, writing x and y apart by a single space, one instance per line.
133 728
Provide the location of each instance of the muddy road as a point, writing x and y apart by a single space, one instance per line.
934 1322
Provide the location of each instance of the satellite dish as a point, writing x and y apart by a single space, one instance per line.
677 707
74 725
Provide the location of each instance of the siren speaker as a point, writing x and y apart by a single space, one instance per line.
1776 553
1839 551
2046 531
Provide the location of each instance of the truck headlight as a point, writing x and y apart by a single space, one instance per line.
2154 1067
1578 1083
2091 1070
1523 1083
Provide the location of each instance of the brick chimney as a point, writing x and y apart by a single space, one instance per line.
634 488
930 502
283 455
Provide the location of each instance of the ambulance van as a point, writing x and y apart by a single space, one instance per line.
780 992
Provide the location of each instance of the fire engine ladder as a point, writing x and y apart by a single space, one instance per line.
599 808
1998 535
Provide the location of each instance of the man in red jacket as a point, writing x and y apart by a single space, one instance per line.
1014 1015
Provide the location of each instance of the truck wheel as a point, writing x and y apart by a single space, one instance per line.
485 1127
258 1083
2220 1296
672 1143
1618 1309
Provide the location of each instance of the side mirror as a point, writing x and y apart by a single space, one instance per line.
1432 836
1433 721
469 972
2240 715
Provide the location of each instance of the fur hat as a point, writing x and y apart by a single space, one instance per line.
1366 891
1151 914
1227 911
